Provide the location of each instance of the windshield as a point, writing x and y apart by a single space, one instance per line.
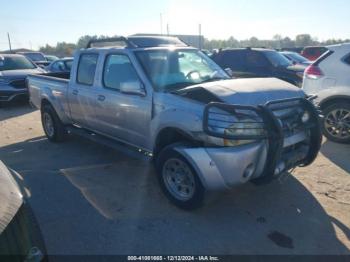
298 58
15 63
277 59
175 69
35 56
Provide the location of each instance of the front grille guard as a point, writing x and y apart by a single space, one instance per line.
273 126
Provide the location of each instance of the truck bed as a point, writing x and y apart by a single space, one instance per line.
52 85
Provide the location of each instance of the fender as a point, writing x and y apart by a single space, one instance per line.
53 98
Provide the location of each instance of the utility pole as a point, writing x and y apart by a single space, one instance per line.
167 29
161 24
200 36
8 37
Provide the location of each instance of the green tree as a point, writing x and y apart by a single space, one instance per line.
83 40
254 42
304 40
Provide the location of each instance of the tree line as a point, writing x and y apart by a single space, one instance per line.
63 49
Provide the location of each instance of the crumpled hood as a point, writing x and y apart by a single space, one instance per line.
244 91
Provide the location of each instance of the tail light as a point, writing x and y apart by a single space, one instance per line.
313 72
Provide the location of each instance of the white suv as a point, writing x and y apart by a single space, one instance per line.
329 79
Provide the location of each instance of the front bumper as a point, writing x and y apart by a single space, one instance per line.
224 167
8 93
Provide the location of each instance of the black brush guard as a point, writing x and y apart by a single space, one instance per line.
273 126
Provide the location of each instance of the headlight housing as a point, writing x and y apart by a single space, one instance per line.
305 117
245 128
233 125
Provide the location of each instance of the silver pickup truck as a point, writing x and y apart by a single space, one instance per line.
204 130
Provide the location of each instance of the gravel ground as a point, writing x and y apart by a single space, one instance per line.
90 199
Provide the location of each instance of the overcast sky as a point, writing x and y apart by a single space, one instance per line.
37 22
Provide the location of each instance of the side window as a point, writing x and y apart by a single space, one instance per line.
86 69
256 59
119 72
234 60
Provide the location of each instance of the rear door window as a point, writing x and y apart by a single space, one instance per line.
86 69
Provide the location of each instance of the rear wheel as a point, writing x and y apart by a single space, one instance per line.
178 179
336 125
52 125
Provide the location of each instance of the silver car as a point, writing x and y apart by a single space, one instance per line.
204 130
329 79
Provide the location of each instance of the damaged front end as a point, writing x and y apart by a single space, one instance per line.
289 128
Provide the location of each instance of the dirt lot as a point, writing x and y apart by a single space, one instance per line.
90 199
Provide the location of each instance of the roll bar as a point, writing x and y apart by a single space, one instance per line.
111 40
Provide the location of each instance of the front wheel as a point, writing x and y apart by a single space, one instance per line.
336 124
178 179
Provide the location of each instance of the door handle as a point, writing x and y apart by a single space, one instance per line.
75 92
101 98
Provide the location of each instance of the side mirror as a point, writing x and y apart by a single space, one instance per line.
229 71
133 88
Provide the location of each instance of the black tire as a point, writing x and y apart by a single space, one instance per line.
22 237
197 198
328 118
59 132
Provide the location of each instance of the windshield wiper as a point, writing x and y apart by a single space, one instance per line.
175 86
214 79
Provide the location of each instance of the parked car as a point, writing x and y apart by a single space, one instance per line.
13 71
296 58
313 52
60 65
36 57
259 62
20 236
297 50
329 79
51 58
204 130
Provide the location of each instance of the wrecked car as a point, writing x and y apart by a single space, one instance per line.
204 130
